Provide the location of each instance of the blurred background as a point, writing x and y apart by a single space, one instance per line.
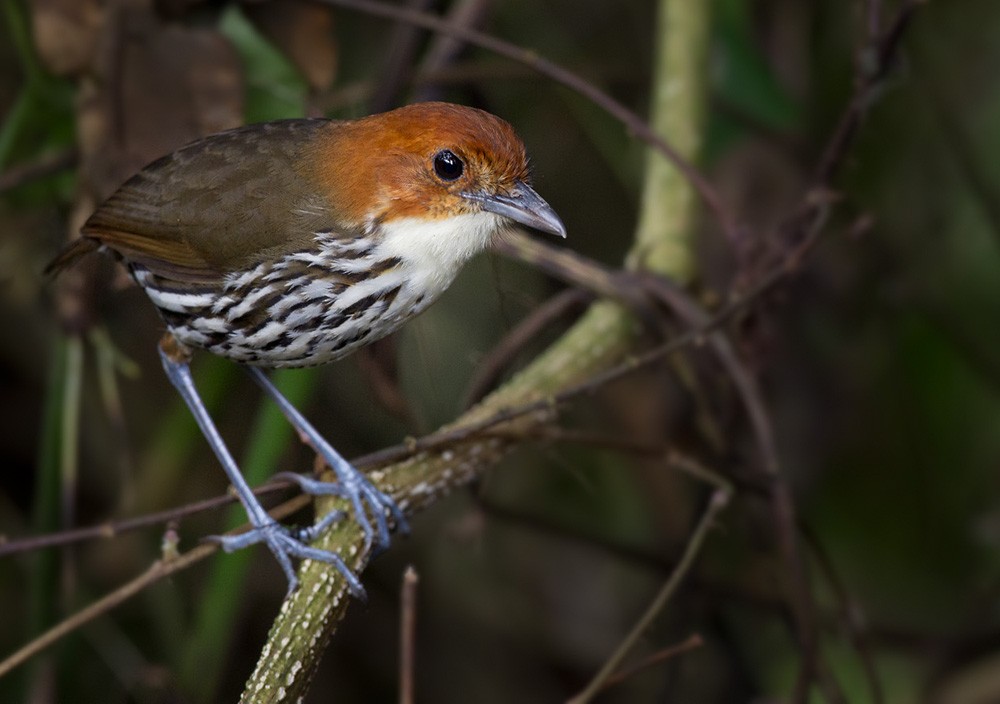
877 360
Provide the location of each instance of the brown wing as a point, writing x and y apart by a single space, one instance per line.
218 205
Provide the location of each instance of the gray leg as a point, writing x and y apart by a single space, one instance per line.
351 484
278 539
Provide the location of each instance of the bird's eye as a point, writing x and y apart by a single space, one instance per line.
447 166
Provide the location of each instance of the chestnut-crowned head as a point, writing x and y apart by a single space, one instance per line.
432 161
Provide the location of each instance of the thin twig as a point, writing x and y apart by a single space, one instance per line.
808 223
782 502
466 73
157 571
883 50
692 642
404 43
718 501
408 636
502 355
571 267
616 548
112 529
445 50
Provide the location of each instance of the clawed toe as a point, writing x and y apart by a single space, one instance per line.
310 533
287 546
313 487
357 489
351 485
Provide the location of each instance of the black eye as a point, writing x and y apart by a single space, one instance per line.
447 166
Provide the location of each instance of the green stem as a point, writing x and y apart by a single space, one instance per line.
12 126
45 511
70 427
20 36
21 111
664 241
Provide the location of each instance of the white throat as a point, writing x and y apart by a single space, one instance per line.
433 251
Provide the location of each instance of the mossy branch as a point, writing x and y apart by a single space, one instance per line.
600 339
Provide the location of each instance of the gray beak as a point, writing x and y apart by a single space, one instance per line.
523 206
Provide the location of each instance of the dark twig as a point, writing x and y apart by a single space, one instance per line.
782 502
461 74
759 599
808 224
604 441
445 50
403 46
168 565
561 305
113 529
883 52
157 571
718 501
692 642
873 19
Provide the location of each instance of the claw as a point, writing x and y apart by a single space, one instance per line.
284 545
356 489
310 533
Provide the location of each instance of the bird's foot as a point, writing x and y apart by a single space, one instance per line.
287 544
351 485
356 488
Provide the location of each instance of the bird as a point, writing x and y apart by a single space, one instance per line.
293 243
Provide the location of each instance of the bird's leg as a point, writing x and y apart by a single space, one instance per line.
351 484
278 539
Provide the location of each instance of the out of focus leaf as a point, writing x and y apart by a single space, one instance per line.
66 33
275 89
744 79
745 86
174 84
303 31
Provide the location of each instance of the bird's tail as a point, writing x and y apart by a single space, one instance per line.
70 254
